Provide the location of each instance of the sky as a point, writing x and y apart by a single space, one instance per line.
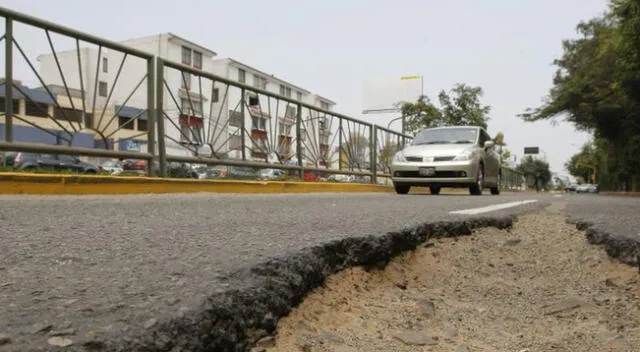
330 47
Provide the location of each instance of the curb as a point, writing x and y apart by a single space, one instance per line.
45 184
628 194
234 319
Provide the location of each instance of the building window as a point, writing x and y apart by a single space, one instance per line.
88 120
291 111
235 142
186 56
191 134
193 107
105 65
235 118
215 95
126 123
197 59
322 123
34 109
258 123
285 129
142 125
253 100
282 89
186 80
242 75
259 82
299 95
102 89
324 105
288 92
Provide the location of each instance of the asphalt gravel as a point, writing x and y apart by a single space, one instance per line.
90 266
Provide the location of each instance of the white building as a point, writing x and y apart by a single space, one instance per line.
269 122
125 85
194 114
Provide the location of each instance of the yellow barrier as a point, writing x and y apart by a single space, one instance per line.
20 183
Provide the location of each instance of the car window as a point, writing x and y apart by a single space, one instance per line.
66 158
446 136
40 156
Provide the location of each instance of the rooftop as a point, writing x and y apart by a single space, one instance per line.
238 63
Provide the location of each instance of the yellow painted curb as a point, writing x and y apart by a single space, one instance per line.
20 183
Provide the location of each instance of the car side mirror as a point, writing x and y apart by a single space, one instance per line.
489 144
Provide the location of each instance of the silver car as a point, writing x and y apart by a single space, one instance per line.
458 156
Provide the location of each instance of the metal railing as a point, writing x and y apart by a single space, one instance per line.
184 115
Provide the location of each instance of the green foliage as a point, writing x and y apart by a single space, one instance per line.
386 152
597 88
458 107
505 154
536 170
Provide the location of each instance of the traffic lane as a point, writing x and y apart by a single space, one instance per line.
101 263
617 215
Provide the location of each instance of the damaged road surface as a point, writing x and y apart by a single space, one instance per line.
207 272
539 286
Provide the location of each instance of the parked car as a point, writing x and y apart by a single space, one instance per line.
271 174
6 158
174 169
456 156
59 162
587 188
571 188
112 167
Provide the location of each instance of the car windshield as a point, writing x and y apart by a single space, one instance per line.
446 136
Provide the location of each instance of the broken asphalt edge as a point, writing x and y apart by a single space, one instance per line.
254 298
625 249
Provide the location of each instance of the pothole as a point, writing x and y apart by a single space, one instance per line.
538 286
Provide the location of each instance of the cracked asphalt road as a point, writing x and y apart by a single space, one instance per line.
95 265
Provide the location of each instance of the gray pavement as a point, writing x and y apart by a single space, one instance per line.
103 264
617 215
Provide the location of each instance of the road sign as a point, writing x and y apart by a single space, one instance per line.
531 150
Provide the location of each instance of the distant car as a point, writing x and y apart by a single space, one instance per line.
456 156
58 162
112 167
271 174
571 188
587 188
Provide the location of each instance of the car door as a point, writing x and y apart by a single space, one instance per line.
69 162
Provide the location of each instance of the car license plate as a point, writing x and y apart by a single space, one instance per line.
427 171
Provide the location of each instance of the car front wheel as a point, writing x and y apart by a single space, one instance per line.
496 190
476 188
402 189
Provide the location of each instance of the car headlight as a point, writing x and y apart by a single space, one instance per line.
399 157
467 155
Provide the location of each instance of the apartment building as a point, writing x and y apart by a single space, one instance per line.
193 112
118 83
269 137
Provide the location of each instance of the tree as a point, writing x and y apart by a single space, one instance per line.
535 170
354 151
505 154
458 107
386 153
597 88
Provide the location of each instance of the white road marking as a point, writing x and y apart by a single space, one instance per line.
558 196
494 207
